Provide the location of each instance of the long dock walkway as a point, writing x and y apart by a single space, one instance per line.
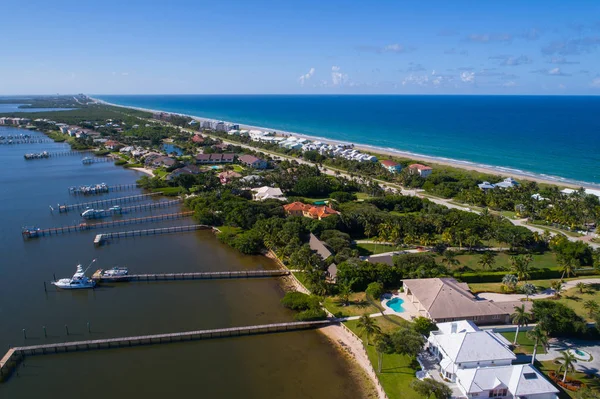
25 141
32 233
118 200
194 276
100 238
14 355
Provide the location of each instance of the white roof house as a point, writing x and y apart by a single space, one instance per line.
266 192
587 191
480 362
516 381
461 344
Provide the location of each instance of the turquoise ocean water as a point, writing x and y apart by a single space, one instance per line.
548 136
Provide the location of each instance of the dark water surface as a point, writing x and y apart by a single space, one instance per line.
290 365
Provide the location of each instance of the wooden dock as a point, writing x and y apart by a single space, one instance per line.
25 141
110 201
29 233
193 276
101 238
11 360
64 154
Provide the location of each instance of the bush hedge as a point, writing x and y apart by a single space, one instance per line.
535 274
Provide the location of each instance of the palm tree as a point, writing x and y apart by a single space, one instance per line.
567 361
557 286
539 336
368 327
520 265
581 287
487 260
568 265
591 306
449 259
345 289
528 289
381 346
520 318
510 281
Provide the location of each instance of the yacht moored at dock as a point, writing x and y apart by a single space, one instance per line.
78 281
116 273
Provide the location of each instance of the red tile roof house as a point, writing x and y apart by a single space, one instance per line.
112 145
309 211
196 138
227 176
421 170
391 166
253 162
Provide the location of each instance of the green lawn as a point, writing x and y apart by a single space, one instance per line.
397 373
371 249
545 260
358 305
496 287
362 196
575 300
591 381
524 344
238 168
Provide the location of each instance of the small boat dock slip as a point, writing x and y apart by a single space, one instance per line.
31 233
191 276
25 141
14 355
100 189
119 200
101 238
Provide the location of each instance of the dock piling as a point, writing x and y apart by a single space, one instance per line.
24 334
45 334
67 329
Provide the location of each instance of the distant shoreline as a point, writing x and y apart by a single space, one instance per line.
390 152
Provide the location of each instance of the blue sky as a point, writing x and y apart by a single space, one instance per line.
278 47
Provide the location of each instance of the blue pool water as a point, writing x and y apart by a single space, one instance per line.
396 304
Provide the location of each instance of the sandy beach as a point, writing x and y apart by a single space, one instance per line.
388 152
147 171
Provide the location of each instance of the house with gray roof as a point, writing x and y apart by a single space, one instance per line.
445 299
480 363
319 247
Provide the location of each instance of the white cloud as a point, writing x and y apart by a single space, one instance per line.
562 86
302 79
510 83
554 71
337 77
596 83
125 73
421 80
395 48
467 77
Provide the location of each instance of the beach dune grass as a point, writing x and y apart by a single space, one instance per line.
397 372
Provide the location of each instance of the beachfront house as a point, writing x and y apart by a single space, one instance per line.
421 170
391 166
480 363
253 162
509 182
445 299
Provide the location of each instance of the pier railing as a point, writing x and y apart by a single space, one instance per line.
196 275
109 201
14 355
100 238
32 233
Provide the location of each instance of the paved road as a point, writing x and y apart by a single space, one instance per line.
493 296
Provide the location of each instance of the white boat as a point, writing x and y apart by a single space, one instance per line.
116 272
78 281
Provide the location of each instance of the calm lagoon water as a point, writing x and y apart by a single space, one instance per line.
292 365
12 108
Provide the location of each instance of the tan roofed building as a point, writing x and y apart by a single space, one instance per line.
445 299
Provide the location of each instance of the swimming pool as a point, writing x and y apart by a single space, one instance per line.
395 304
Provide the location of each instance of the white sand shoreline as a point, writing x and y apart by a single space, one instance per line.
467 165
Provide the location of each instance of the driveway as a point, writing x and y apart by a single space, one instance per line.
591 347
